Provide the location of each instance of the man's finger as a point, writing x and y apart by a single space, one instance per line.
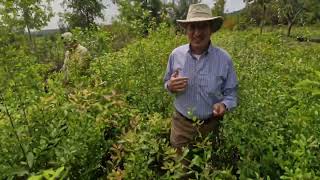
180 86
180 89
182 78
218 110
175 74
179 79
176 83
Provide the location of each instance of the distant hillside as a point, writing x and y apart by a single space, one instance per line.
235 12
45 32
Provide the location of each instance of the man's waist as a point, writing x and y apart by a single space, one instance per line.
195 119
192 111
200 108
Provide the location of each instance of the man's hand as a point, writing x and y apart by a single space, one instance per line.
176 83
219 109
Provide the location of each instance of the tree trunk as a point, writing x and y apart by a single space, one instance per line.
291 20
26 18
30 39
289 28
263 18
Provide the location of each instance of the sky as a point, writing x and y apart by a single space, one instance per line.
111 11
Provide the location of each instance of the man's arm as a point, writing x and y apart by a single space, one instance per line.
65 66
168 73
229 90
83 57
65 61
85 60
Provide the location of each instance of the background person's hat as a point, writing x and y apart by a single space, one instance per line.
201 12
67 37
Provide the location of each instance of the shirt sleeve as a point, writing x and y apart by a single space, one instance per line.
85 59
168 73
229 90
65 61
65 65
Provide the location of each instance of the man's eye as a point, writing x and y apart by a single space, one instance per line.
202 25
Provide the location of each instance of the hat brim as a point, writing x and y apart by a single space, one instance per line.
216 22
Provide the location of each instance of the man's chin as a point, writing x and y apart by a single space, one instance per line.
196 45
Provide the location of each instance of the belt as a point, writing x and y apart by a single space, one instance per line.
192 121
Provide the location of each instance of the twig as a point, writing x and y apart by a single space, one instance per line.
13 127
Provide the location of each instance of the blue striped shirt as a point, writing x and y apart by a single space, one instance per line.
212 79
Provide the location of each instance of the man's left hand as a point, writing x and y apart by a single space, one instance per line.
219 109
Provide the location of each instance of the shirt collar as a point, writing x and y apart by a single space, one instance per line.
74 48
209 50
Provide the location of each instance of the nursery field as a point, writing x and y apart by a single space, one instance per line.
115 122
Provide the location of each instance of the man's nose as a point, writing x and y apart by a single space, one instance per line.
197 31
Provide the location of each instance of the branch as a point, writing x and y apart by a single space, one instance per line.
296 15
13 127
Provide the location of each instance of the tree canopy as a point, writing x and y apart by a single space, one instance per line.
82 13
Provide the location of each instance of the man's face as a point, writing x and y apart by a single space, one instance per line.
199 35
66 45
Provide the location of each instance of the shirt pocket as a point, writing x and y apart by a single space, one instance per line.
211 85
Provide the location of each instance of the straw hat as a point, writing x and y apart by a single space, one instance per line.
201 12
67 37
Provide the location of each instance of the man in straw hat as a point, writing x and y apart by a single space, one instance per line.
202 78
76 58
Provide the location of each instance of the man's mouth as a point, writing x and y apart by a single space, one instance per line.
197 41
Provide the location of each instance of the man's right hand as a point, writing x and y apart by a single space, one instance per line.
176 83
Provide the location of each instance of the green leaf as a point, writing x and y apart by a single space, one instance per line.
20 172
48 173
35 177
316 92
30 159
196 161
58 172
317 73
307 83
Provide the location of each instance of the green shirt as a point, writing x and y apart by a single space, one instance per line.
76 62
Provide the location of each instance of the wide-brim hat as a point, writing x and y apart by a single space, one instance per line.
67 37
199 13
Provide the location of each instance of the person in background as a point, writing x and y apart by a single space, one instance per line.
76 58
202 78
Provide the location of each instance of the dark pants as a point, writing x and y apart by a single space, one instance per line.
183 131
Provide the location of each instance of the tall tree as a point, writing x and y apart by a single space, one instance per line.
128 9
263 4
218 8
181 10
312 13
155 7
27 14
140 14
290 11
83 12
